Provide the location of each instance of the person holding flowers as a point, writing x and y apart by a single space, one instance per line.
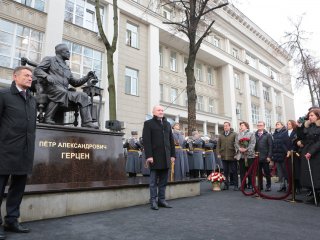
245 143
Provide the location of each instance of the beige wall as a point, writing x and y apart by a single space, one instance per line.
132 109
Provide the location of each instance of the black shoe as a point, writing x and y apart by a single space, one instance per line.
15 227
154 205
310 193
282 189
2 234
268 189
164 204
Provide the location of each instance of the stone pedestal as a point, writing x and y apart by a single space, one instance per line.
71 155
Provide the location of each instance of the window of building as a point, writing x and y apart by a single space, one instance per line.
160 56
236 78
211 106
36 4
254 113
82 13
84 59
198 72
173 95
253 88
216 41
266 94
132 35
200 105
238 111
131 81
185 63
264 68
274 76
210 76
251 60
173 61
18 41
268 118
235 53
167 13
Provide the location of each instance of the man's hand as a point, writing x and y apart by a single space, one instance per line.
173 159
299 143
150 160
90 74
308 156
288 154
268 159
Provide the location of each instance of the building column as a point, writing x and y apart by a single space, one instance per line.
274 111
177 118
248 99
216 128
261 102
154 76
205 129
55 20
229 97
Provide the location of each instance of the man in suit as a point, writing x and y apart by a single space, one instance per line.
56 76
17 136
160 153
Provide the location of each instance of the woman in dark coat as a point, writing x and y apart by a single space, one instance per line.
311 152
279 152
292 146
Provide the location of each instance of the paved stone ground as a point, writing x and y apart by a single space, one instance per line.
212 216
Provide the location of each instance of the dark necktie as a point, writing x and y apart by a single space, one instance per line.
24 94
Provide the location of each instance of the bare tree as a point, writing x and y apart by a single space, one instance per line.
110 52
302 60
195 21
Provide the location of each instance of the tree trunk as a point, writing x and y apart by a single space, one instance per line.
111 86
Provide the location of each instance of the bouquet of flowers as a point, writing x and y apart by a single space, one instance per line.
244 142
216 177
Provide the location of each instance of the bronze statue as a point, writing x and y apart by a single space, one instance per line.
56 76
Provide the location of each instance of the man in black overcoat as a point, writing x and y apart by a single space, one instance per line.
17 137
160 152
56 76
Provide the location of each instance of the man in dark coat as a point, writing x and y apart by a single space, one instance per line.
160 153
264 148
226 151
17 136
56 76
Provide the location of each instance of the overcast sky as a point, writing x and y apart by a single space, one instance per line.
272 16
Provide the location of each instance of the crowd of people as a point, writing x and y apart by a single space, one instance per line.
233 153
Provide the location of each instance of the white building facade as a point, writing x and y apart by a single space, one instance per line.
242 75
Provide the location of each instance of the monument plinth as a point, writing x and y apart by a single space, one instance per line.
69 154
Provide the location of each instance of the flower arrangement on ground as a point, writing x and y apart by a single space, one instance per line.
216 177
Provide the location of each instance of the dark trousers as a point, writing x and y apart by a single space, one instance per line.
244 169
158 183
230 168
14 196
266 171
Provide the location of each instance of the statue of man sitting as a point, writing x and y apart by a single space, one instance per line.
56 76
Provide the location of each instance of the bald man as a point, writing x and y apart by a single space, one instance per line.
160 152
